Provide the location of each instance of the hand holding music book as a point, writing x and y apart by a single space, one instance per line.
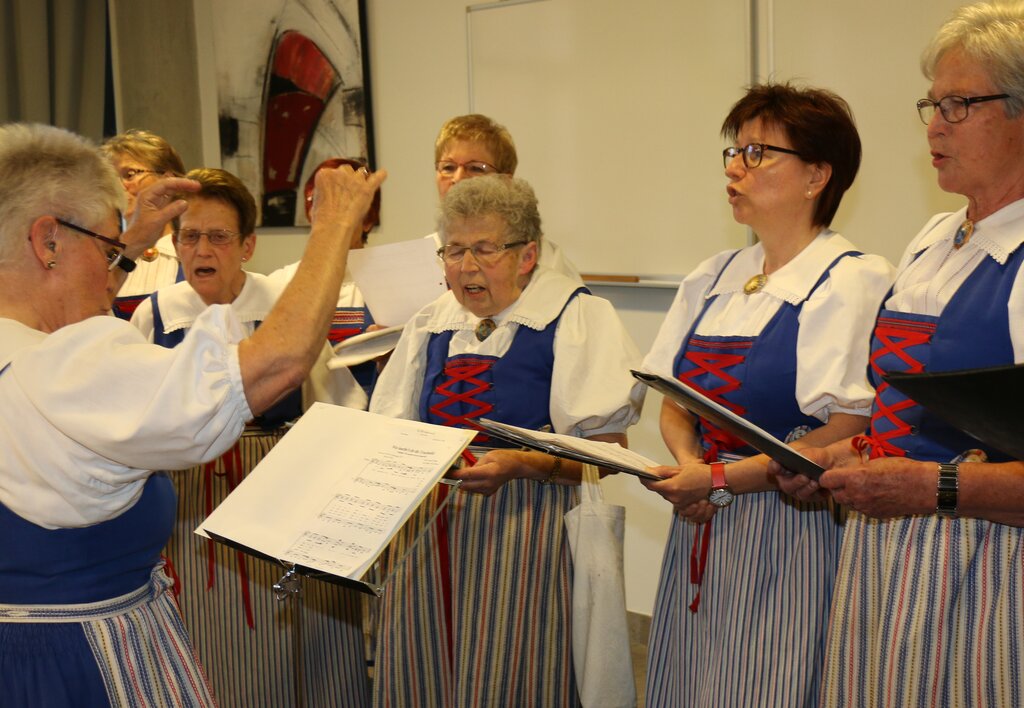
759 439
335 490
611 456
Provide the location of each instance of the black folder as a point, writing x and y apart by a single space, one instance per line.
984 403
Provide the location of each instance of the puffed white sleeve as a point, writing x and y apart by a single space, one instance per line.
834 340
142 318
592 391
682 313
398 388
102 407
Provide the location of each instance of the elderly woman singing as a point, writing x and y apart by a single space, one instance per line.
90 408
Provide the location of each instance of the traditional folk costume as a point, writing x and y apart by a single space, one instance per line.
928 609
256 649
151 273
786 357
484 618
86 613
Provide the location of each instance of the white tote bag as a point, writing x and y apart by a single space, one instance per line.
600 637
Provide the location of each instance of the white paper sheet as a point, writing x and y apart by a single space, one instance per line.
397 279
364 347
335 490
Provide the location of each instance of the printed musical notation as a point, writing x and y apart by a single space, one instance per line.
362 477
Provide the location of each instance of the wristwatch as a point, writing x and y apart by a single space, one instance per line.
720 494
948 491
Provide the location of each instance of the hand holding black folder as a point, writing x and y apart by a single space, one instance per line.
760 440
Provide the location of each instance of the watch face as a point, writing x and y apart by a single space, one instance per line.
721 497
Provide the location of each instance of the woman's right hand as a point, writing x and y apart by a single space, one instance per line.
839 454
683 486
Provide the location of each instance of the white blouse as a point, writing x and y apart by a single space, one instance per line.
592 391
89 410
181 306
149 276
834 338
931 270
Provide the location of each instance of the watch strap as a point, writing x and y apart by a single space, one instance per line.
125 263
947 494
718 475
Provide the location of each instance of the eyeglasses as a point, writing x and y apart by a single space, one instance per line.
752 154
216 237
953 108
483 251
473 168
114 256
130 173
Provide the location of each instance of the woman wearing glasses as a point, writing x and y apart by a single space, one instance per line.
777 332
243 634
140 158
89 409
473 145
929 595
479 614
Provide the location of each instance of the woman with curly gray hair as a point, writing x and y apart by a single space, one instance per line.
524 346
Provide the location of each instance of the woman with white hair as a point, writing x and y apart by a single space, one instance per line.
89 409
929 596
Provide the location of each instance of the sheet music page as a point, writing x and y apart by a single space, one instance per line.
397 279
335 490
610 451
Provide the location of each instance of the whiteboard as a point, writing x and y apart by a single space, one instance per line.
615 108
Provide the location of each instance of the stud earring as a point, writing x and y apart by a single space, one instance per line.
50 265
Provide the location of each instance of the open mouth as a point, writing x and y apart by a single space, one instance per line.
205 271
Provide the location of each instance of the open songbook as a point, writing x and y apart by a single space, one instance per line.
611 456
331 495
759 439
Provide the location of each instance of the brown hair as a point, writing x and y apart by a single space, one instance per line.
225 187
820 127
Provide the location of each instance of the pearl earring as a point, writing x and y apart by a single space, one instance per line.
50 265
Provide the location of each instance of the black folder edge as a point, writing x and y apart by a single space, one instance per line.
981 402
760 440
375 589
559 451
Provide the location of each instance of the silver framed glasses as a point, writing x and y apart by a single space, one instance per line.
484 252
953 108
752 153
216 237
473 168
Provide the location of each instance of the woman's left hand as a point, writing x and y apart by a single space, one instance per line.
490 472
884 488
682 486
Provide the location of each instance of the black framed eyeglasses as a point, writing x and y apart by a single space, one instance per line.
216 237
113 256
953 108
483 251
752 153
473 168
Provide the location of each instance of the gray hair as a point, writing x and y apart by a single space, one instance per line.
991 33
510 199
50 171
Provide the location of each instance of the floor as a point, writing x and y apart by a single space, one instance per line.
639 628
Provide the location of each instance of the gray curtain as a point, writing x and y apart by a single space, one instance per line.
52 61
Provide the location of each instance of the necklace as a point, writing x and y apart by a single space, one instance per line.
963 234
755 284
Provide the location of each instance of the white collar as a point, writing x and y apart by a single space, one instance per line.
998 234
540 303
180 305
792 282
